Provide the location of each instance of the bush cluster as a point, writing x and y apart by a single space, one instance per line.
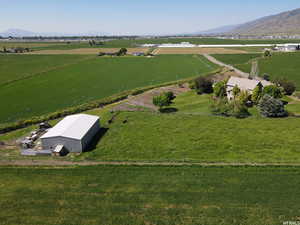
204 85
272 107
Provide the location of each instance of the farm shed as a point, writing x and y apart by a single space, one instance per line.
73 133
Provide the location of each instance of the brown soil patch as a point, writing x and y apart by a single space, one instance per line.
137 103
198 51
86 51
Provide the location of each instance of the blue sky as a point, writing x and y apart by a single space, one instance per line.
134 16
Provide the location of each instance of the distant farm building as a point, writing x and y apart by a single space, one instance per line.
138 53
72 134
289 47
243 84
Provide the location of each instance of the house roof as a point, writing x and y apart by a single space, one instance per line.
243 83
74 126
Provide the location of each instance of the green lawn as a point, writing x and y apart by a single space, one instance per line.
118 195
15 67
89 80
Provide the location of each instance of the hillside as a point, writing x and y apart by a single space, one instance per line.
280 24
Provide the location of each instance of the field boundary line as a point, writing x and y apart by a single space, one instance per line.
128 163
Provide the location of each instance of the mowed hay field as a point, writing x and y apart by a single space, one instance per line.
118 195
89 80
279 65
86 51
162 51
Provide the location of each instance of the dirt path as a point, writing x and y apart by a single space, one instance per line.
215 61
144 100
91 163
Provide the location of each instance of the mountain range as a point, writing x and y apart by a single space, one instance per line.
286 23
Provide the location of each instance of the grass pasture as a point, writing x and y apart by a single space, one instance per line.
89 80
117 195
235 59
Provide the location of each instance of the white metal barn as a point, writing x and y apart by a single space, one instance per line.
73 133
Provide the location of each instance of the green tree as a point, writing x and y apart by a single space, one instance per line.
204 85
267 53
273 91
257 94
289 87
220 89
122 51
272 107
161 101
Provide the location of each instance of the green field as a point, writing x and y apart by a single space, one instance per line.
136 42
235 59
14 67
86 80
118 195
279 65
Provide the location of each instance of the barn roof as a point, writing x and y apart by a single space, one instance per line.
74 126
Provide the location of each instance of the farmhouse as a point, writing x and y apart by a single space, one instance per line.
243 84
72 134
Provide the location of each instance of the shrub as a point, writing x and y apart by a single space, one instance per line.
220 106
161 101
192 85
267 53
256 95
266 77
203 85
289 87
236 91
220 89
170 96
273 91
272 107
244 98
238 109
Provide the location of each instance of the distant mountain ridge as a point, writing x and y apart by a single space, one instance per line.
286 23
25 33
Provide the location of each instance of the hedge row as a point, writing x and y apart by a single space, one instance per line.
4 128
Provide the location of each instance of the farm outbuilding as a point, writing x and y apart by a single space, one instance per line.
73 134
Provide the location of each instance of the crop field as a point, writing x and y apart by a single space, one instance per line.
88 80
111 195
16 67
132 43
236 59
162 51
86 51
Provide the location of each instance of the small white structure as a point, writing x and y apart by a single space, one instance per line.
72 134
289 47
243 84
